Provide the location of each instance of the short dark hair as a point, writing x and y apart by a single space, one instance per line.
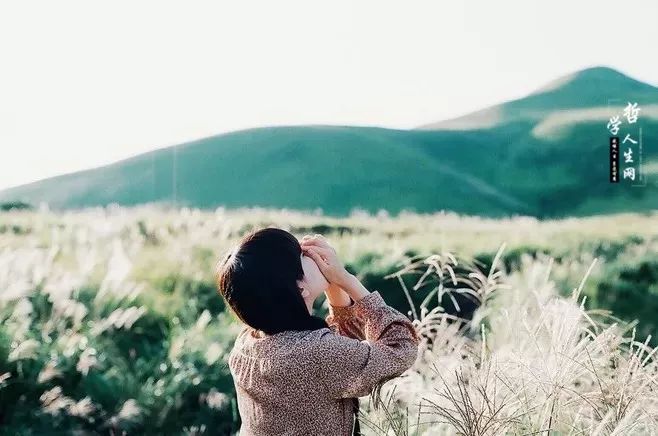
258 281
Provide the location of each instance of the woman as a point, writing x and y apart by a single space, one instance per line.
295 373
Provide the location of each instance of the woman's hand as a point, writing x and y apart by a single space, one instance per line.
324 255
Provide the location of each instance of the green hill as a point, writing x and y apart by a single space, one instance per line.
544 155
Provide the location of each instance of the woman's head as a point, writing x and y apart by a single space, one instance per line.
268 282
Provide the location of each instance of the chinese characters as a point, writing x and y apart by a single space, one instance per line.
630 116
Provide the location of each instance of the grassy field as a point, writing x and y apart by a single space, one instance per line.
111 322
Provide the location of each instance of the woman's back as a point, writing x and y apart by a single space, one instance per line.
304 382
278 392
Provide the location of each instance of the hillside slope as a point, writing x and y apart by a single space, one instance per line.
544 155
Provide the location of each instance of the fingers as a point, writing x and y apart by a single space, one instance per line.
324 252
316 240
319 246
316 257
316 236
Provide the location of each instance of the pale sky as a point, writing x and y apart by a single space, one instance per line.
87 83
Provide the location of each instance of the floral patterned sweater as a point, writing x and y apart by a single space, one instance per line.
305 382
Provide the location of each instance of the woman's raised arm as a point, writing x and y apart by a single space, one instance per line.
351 367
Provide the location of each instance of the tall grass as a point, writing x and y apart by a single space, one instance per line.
529 362
109 321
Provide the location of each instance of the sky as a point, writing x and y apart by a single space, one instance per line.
86 83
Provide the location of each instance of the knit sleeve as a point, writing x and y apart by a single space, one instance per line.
379 343
344 321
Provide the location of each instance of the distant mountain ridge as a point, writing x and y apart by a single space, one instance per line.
544 155
588 88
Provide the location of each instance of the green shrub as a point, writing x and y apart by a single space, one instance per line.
630 290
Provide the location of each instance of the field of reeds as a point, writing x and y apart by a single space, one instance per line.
111 323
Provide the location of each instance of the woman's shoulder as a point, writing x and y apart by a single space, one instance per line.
318 334
245 330
283 342
323 339
241 339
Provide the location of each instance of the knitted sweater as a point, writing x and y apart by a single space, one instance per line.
304 382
